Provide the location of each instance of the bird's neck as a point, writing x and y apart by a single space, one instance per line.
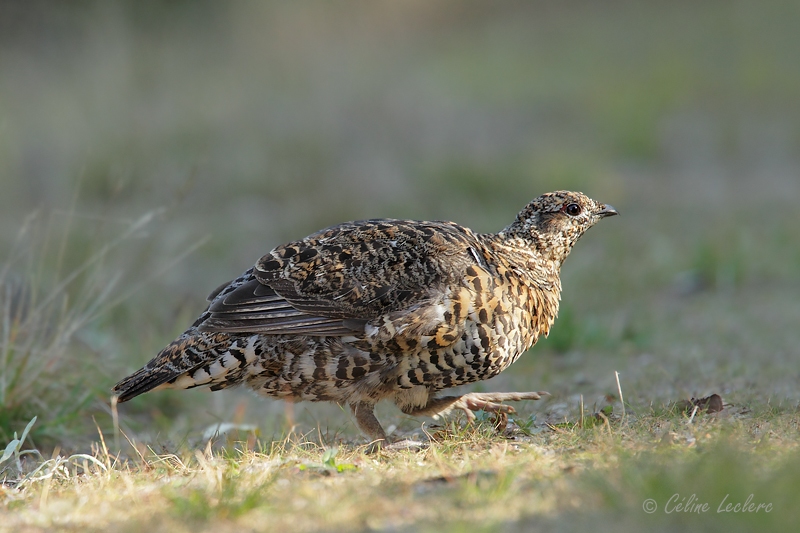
552 248
526 259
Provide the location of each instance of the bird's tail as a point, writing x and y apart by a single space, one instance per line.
176 366
143 380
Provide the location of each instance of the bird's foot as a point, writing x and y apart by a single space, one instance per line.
491 402
410 445
405 444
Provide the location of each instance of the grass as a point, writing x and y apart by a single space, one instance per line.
470 476
163 148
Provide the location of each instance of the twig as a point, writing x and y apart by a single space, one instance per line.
606 423
115 420
694 412
621 400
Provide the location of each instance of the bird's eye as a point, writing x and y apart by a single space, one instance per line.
573 210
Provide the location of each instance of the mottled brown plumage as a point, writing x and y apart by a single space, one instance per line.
382 309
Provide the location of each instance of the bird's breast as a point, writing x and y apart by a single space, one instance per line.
482 326
507 314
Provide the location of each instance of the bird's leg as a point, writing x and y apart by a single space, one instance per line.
491 402
366 421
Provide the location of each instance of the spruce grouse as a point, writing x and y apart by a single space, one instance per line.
382 309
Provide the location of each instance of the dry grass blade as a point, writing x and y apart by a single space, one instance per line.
39 318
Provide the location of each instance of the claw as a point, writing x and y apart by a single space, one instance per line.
469 413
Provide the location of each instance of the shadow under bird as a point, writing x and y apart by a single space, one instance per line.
382 309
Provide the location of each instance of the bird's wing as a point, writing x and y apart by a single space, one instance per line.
336 281
252 307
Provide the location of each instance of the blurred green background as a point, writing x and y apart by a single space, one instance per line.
236 126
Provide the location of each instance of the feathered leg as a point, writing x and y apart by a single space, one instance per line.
366 421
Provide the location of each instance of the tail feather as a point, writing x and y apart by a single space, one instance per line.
190 361
143 380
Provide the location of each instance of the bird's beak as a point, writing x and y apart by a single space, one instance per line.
607 211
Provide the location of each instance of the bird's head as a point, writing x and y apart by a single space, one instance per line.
555 221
